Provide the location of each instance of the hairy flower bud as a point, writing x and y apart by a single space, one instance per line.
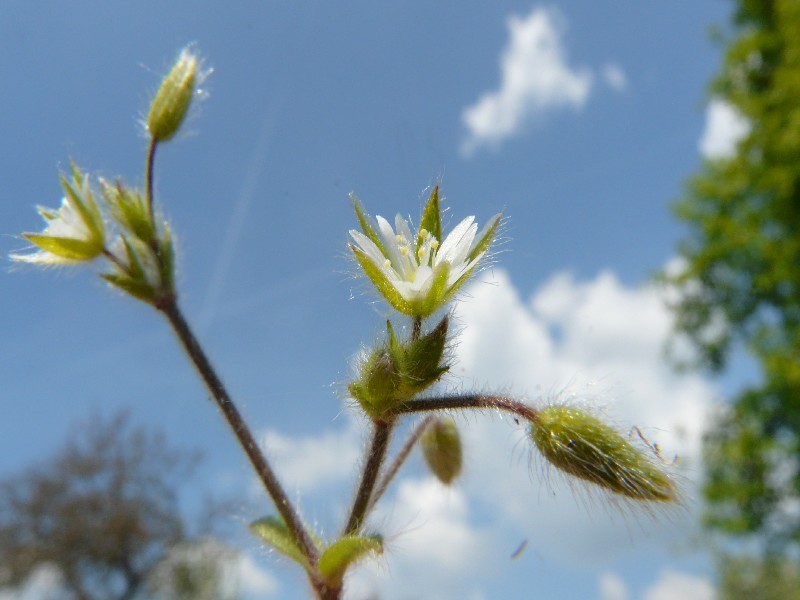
172 100
399 370
441 447
581 445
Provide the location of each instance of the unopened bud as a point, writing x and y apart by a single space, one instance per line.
581 445
171 102
441 447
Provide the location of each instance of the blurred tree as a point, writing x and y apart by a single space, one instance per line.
104 514
740 282
749 577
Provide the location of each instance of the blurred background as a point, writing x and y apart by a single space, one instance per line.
581 121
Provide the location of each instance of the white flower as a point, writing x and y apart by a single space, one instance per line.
416 273
74 233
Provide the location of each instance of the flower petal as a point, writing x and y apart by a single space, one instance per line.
450 246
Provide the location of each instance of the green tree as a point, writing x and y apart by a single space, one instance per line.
104 513
740 285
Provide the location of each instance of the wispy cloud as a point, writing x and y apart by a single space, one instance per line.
535 79
725 128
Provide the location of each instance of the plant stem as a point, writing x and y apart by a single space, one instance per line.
478 401
148 177
416 328
398 461
372 466
240 429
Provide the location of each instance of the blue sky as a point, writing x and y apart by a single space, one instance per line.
579 120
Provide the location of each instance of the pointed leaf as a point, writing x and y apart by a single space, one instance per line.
344 553
274 532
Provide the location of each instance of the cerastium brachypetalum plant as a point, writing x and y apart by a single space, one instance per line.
416 272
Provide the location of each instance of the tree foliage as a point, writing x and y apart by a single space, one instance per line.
740 284
103 512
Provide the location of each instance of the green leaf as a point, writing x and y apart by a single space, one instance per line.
431 220
366 226
274 532
344 553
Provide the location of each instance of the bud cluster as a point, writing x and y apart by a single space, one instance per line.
396 370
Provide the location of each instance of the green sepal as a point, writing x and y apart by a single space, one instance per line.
138 288
70 249
167 249
437 294
86 205
130 210
486 236
273 531
431 220
423 357
441 447
135 269
344 553
398 370
383 285
366 227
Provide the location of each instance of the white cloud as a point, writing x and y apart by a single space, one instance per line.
308 463
725 128
597 341
672 584
249 579
434 552
612 587
535 78
615 77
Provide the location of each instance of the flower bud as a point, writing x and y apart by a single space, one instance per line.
171 102
399 370
441 447
581 445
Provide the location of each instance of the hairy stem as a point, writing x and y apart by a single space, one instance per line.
240 429
398 461
475 401
372 466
